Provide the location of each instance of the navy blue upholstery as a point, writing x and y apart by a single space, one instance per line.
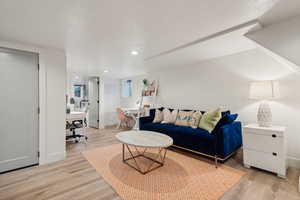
224 140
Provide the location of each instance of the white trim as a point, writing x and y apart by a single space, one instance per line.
54 157
43 111
293 162
101 103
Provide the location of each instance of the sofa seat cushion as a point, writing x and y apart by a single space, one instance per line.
187 137
196 133
198 139
161 128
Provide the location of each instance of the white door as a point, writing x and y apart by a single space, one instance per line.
18 109
94 102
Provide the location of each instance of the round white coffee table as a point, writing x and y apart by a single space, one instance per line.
144 140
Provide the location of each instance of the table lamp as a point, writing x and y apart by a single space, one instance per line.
264 90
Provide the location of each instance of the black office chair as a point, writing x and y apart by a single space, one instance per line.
73 126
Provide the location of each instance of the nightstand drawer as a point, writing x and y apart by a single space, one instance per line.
264 143
265 131
267 161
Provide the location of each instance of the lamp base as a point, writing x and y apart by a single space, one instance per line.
264 115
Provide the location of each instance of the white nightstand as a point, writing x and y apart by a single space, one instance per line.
265 148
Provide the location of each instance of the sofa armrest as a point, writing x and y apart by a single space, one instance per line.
229 139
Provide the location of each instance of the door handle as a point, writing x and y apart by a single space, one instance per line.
274 136
274 154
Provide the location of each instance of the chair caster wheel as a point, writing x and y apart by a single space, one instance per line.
76 141
86 138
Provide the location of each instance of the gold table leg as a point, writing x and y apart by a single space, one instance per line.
160 155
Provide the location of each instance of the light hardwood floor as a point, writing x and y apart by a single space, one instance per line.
75 179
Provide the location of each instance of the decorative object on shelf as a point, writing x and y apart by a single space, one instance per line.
264 90
149 89
145 81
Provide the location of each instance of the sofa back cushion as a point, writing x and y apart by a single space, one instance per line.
183 118
210 119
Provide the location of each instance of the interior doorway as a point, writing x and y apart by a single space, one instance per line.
84 98
19 84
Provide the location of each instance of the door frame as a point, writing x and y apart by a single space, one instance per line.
43 158
98 97
38 111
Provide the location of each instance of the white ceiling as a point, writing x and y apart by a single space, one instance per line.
223 44
99 34
280 11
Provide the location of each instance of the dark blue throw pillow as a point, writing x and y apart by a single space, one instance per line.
229 118
226 119
225 113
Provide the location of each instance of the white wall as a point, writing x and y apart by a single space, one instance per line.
52 90
225 82
55 65
130 102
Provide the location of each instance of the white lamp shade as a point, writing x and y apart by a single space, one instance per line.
263 90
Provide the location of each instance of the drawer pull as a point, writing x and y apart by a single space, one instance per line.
273 135
274 154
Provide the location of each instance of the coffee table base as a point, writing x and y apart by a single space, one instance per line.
159 159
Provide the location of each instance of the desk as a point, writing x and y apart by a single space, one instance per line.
76 116
76 120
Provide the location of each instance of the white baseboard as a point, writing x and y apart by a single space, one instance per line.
53 157
293 162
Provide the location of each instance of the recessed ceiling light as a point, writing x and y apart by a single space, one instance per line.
134 52
105 71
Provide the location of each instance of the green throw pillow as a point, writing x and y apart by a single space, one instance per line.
210 119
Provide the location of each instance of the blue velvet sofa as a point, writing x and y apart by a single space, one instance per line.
220 144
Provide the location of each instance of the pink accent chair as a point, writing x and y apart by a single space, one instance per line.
124 119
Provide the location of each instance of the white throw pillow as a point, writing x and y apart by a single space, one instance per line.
183 118
169 117
158 116
195 119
